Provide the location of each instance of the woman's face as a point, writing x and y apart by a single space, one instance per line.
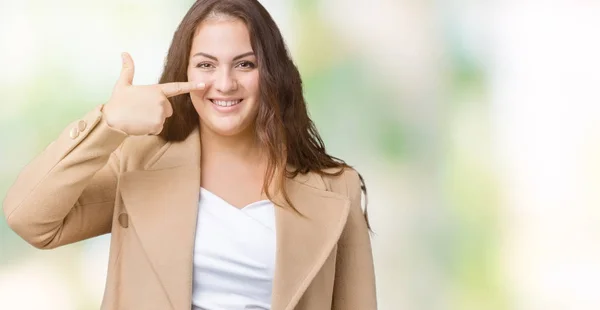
222 57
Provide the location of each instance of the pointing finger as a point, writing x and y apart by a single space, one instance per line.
178 88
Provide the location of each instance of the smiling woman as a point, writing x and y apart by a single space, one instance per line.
220 58
215 184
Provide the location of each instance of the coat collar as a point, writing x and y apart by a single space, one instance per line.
164 219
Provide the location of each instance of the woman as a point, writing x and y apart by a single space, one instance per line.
262 218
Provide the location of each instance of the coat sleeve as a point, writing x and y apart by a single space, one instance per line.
67 192
354 276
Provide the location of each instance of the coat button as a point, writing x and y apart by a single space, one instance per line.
74 133
81 125
124 220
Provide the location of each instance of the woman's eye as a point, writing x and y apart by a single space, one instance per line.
203 65
247 65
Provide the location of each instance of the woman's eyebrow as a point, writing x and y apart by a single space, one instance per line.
215 58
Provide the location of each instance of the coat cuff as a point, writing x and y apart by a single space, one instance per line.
92 127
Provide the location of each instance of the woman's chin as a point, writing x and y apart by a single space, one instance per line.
226 129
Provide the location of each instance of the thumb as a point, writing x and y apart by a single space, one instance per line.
127 70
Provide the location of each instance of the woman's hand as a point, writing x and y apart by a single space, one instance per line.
142 110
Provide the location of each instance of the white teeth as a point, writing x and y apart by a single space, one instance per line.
222 103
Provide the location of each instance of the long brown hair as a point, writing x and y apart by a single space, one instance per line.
283 126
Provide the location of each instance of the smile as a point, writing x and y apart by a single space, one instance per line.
226 103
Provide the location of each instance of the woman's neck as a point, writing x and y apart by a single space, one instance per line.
243 146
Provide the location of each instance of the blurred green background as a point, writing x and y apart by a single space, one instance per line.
476 125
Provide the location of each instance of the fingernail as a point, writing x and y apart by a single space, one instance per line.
200 85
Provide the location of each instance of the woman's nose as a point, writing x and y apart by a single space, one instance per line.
225 81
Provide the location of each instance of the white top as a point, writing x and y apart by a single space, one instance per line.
234 255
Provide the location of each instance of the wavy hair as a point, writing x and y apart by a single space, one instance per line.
283 126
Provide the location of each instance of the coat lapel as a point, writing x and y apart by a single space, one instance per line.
162 202
164 219
304 242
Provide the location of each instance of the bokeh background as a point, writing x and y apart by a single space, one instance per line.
476 125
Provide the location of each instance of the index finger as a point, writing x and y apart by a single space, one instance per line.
178 88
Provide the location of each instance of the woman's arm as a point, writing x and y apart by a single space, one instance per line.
354 275
67 193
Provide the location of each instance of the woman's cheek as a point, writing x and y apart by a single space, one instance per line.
250 81
198 76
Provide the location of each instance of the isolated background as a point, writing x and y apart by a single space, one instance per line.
476 125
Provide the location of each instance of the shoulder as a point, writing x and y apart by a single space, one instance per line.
137 151
349 183
345 181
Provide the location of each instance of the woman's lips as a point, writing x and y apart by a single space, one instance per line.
225 105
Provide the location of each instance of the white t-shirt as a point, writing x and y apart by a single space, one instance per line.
234 255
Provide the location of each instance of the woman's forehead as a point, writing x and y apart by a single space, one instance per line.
223 37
